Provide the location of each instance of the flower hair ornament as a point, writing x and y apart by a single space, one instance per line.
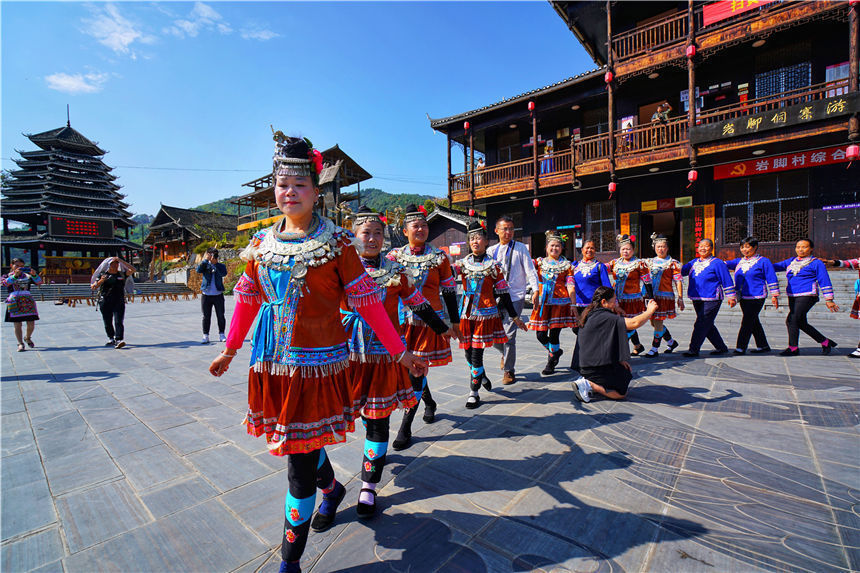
554 235
624 240
296 156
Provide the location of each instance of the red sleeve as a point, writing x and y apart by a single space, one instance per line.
375 315
240 323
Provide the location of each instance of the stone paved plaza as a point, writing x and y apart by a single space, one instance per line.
135 460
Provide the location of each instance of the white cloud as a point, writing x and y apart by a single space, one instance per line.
113 30
262 35
202 18
74 84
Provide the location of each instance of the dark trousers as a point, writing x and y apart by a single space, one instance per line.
207 302
113 315
798 307
304 474
751 325
706 314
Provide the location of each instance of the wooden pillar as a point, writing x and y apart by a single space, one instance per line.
535 166
853 66
450 183
691 83
358 194
610 90
471 169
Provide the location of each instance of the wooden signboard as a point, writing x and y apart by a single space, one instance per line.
799 114
714 12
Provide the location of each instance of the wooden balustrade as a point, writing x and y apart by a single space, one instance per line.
759 105
593 147
650 137
641 40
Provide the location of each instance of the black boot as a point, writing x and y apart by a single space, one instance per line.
404 435
429 406
552 362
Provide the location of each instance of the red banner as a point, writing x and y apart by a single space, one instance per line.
800 160
716 11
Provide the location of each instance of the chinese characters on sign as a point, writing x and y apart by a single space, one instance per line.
716 11
798 114
797 160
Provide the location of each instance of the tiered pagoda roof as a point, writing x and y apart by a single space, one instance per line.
65 180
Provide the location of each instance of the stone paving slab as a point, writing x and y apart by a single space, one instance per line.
135 460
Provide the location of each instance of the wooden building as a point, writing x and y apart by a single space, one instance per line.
174 232
258 207
763 150
448 230
66 196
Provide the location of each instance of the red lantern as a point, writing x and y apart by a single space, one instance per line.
612 187
466 125
692 176
531 106
608 77
183 243
852 152
471 212
536 204
41 246
691 51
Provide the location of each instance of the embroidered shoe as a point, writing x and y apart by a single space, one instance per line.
672 346
473 402
366 510
653 352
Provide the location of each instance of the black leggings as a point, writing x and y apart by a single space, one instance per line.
305 475
475 357
798 308
751 325
551 336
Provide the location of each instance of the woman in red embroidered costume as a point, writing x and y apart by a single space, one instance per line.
665 280
553 301
480 321
380 385
432 273
630 273
299 391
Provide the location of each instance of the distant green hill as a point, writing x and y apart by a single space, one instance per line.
379 200
222 206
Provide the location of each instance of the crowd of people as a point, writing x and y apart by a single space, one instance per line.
343 332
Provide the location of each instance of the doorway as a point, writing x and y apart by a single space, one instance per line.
666 223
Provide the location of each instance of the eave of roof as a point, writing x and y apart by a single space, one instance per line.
442 122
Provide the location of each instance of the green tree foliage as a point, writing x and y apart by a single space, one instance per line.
379 200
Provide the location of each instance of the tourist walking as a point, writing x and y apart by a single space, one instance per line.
708 284
212 293
380 384
20 304
603 346
431 269
553 300
519 272
755 279
630 273
113 279
299 388
855 309
667 284
480 319
807 280
588 274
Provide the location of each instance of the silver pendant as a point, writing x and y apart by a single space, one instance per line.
300 270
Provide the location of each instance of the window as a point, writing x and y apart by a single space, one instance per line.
771 208
600 225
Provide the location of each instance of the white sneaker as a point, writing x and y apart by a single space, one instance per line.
222 337
856 353
205 339
119 344
582 389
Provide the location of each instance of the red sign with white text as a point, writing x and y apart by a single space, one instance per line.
799 160
716 11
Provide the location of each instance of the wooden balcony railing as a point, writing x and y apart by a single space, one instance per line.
672 30
593 147
759 105
651 137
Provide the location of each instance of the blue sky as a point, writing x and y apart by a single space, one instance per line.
182 94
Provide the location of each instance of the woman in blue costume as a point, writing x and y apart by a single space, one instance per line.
754 280
708 284
588 274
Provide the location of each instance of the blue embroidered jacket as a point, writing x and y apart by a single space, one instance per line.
754 277
709 279
806 277
588 277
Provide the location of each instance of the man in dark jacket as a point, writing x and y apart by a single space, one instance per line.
212 293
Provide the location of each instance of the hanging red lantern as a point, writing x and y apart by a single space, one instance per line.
608 77
466 125
612 187
536 203
471 212
183 243
691 51
41 246
692 176
852 152
531 106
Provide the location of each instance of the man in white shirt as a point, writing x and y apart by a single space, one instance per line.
520 273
